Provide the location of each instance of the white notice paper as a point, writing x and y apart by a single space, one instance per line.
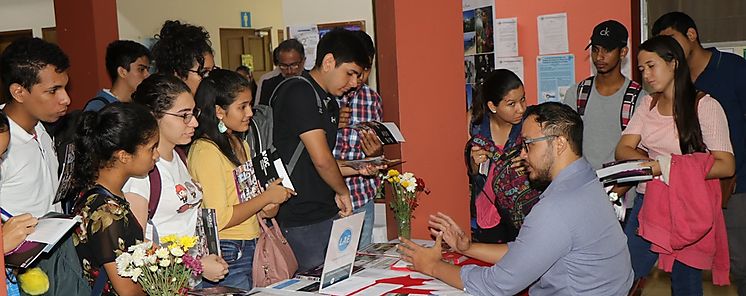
506 33
553 34
341 251
514 64
309 37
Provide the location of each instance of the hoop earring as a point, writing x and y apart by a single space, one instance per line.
221 127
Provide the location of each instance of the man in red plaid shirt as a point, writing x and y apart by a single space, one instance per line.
361 105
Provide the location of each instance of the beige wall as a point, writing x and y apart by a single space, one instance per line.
141 19
26 14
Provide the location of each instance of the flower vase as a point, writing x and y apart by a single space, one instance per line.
404 226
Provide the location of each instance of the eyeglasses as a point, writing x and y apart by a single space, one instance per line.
293 66
186 116
528 141
203 72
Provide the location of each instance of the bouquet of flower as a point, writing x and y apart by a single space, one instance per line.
161 270
405 186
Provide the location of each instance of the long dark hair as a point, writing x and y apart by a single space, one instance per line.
685 94
118 126
497 85
158 93
220 88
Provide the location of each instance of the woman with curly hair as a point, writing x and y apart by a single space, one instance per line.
184 50
112 145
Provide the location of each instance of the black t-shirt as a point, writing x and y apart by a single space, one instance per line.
296 112
268 86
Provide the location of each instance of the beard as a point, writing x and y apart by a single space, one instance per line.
540 178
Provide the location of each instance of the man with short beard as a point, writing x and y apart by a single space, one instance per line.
570 243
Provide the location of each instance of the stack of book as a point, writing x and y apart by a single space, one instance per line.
625 171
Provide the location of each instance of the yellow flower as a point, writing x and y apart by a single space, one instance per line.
395 180
34 281
392 173
405 183
187 242
171 238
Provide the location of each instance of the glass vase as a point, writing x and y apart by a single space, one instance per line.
404 226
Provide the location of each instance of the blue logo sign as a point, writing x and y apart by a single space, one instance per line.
344 240
245 19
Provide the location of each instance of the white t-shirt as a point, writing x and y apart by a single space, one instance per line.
28 174
181 196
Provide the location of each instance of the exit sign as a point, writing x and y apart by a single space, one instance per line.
245 19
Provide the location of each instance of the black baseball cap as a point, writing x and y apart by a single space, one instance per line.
609 34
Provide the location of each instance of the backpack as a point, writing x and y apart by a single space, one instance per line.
154 178
273 101
628 101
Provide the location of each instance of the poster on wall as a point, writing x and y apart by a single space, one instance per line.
514 64
506 36
554 74
553 34
308 35
479 43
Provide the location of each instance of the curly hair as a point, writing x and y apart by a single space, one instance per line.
179 46
99 135
220 88
22 61
158 93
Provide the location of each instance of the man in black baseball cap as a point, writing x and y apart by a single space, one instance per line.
610 35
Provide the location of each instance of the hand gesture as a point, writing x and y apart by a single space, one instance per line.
344 117
422 259
344 203
214 268
371 170
16 229
478 155
441 224
278 194
370 143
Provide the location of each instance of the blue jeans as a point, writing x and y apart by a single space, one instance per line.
309 243
685 280
366 235
239 254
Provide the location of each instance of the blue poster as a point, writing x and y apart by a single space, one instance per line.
555 74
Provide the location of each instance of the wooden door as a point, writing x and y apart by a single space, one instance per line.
236 42
6 38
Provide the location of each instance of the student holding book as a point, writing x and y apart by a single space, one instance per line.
495 125
112 145
225 101
179 198
675 122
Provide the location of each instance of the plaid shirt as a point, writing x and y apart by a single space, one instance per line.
366 106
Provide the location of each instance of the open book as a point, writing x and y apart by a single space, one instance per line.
624 172
50 229
387 132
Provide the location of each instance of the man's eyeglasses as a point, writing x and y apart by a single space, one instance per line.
293 66
528 141
186 116
203 72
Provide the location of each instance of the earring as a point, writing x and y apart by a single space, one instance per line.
221 127
493 111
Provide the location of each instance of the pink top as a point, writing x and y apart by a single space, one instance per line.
658 132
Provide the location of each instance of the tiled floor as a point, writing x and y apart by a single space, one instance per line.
659 284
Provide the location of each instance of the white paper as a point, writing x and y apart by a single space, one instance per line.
341 250
394 131
283 174
378 289
471 4
50 230
348 286
553 34
514 64
506 35
308 35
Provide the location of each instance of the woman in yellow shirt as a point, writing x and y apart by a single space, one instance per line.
225 100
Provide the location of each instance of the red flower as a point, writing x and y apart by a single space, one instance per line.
421 186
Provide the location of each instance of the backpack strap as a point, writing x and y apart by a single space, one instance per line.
321 107
99 99
155 191
583 93
628 103
101 279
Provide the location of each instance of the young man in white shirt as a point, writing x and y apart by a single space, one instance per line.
34 76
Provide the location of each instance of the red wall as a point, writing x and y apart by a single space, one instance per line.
582 16
421 82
